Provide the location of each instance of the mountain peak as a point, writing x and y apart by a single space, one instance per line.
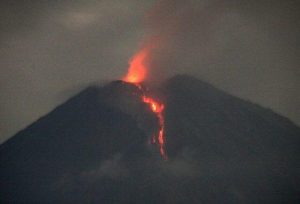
95 148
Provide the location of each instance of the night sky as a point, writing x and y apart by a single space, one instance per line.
50 50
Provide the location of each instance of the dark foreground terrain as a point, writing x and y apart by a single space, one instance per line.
95 149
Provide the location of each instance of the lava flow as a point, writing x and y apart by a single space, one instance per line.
158 108
136 74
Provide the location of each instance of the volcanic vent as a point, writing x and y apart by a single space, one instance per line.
136 100
136 75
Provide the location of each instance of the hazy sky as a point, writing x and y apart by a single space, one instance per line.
49 50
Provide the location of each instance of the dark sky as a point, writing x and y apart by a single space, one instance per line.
52 49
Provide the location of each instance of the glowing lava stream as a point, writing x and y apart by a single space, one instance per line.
158 109
136 74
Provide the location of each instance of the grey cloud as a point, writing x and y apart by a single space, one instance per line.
111 168
179 167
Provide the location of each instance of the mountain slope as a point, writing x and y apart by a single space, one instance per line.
250 151
95 148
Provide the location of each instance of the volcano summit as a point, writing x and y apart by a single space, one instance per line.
96 148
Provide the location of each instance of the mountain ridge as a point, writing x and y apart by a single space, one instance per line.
95 148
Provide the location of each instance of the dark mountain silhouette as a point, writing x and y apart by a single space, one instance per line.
95 149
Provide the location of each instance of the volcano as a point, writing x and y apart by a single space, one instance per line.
96 148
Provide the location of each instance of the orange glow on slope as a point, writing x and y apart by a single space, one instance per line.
158 108
137 70
136 74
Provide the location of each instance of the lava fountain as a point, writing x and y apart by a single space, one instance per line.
137 70
136 75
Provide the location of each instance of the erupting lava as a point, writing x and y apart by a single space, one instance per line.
137 70
137 74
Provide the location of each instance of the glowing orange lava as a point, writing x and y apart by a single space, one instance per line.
137 70
136 74
158 109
